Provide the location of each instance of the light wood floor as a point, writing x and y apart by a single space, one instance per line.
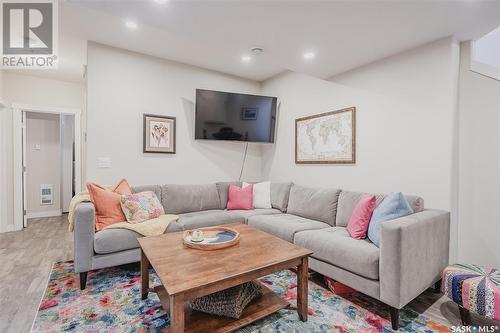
26 258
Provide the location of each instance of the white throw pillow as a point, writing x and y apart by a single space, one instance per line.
261 194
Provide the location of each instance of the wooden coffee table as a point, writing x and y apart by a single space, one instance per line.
187 273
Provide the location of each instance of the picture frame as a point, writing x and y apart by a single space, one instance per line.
249 113
326 138
159 134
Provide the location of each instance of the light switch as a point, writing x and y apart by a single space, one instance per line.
38 146
104 162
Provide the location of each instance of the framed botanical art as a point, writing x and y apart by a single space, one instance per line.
326 138
159 134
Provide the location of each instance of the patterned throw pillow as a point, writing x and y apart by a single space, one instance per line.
139 207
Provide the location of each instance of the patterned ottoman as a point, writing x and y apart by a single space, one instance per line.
474 288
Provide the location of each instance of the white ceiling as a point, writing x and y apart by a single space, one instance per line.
215 34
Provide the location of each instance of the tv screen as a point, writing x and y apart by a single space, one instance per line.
235 117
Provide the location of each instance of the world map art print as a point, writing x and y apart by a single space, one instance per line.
326 138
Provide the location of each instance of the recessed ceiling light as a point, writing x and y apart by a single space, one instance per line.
246 58
256 50
132 25
309 55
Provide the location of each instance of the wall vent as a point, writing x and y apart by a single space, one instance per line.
46 194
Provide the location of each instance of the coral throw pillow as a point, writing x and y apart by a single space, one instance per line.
240 198
142 206
107 203
360 218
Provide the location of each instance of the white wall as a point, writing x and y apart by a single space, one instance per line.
479 176
421 75
398 148
425 79
122 86
32 90
43 155
406 125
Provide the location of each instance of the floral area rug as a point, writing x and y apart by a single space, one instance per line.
112 303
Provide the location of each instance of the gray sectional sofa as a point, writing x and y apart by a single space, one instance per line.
412 254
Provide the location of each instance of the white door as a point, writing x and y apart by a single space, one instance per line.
67 143
25 202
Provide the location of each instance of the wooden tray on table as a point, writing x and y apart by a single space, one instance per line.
215 238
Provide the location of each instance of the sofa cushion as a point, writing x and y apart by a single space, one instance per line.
246 214
178 199
222 189
280 193
153 188
336 247
207 218
348 200
314 203
115 240
284 226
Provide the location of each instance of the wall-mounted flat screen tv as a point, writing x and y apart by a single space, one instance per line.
234 117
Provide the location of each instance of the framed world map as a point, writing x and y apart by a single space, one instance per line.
326 138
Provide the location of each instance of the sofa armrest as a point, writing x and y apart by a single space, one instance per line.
84 236
414 250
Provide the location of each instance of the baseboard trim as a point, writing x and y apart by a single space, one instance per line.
50 213
7 228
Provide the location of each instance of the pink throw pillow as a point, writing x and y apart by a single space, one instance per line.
240 198
358 224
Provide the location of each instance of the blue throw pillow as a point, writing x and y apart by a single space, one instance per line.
392 207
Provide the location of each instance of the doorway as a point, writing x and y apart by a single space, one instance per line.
46 162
